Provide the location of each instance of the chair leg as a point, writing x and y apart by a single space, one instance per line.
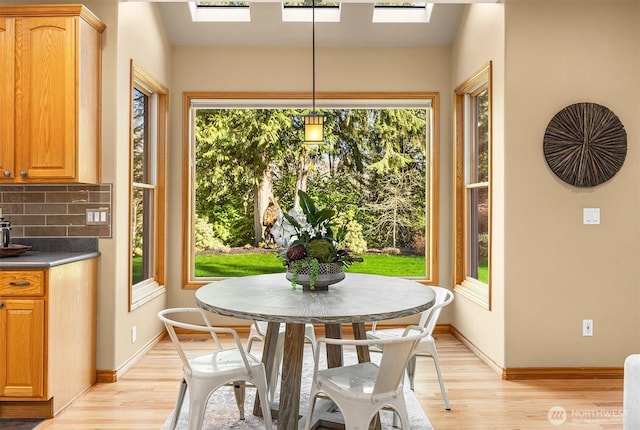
197 406
260 381
239 391
310 335
312 405
404 419
411 370
434 355
272 379
181 391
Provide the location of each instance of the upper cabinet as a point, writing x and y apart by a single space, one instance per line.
50 94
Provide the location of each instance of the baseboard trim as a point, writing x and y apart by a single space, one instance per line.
525 373
106 376
109 376
529 373
478 353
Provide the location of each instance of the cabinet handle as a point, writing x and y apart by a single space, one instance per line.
20 284
23 174
7 173
1 305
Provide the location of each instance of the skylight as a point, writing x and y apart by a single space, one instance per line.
410 12
220 11
301 12
240 11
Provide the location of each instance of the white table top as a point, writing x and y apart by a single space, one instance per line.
357 298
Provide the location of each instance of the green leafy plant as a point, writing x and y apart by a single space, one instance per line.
307 235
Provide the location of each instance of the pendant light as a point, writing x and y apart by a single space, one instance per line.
313 122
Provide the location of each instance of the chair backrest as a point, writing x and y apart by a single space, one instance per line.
395 356
429 318
396 352
168 317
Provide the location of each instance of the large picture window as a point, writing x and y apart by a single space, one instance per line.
473 187
147 194
245 159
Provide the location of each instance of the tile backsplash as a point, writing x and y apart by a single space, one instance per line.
55 210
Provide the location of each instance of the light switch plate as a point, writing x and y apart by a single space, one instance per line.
591 216
97 216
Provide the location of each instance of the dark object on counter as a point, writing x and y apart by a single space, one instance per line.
13 250
5 233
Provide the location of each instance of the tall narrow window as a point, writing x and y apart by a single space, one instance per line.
148 204
473 187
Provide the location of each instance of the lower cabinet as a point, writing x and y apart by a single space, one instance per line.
47 338
22 348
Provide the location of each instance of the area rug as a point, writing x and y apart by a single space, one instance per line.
222 412
19 423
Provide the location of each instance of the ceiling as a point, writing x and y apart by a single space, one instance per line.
355 28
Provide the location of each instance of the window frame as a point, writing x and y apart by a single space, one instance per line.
146 290
475 290
244 99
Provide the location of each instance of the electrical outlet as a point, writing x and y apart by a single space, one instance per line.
587 327
133 334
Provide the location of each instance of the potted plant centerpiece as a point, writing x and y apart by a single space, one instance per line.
310 245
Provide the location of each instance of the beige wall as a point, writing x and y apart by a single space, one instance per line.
549 271
480 39
282 70
141 38
134 31
558 271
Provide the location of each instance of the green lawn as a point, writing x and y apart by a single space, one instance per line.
229 265
225 265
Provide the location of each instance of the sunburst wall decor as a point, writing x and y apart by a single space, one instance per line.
585 144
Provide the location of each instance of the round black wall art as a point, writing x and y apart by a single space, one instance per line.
585 144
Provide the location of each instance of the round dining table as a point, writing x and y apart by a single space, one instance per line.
357 299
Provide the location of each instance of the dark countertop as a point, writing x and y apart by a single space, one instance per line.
51 252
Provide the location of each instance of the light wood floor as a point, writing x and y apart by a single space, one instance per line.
480 399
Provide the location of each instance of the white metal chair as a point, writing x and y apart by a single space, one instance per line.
205 373
258 332
361 390
631 393
427 345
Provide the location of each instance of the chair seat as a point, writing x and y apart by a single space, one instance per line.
356 378
220 362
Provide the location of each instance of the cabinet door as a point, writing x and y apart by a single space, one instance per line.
46 103
21 348
7 96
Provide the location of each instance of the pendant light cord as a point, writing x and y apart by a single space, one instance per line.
313 42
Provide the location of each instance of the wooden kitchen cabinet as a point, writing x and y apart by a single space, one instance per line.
47 338
50 95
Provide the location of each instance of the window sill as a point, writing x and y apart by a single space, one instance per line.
477 292
144 292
